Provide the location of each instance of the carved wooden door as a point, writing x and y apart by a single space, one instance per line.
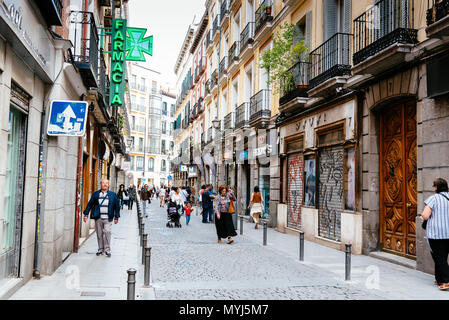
398 179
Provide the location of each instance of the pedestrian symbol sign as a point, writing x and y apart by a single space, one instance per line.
67 118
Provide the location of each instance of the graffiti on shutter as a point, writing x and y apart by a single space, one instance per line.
295 190
331 193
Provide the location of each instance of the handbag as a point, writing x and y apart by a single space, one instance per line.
231 207
125 197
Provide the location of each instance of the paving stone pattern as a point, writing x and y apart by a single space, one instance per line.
188 263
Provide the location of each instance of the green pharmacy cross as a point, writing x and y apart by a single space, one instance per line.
137 45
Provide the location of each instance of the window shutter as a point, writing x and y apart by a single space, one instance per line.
309 30
347 16
329 18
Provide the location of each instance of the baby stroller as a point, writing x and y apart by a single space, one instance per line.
173 216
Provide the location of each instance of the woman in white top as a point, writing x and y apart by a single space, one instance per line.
162 196
176 198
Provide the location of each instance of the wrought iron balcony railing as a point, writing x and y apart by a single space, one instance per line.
260 105
234 52
247 36
155 111
103 82
214 78
208 86
242 115
382 25
229 121
224 9
202 65
331 59
201 107
264 14
85 45
153 150
223 66
209 38
437 10
203 140
153 130
296 83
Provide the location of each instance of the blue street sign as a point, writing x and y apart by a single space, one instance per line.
67 118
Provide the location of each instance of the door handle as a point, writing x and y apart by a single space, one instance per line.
409 205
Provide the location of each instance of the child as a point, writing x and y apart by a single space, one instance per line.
188 210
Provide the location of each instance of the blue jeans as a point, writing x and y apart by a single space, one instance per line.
187 219
208 214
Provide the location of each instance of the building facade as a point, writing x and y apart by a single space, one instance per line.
349 152
152 114
46 180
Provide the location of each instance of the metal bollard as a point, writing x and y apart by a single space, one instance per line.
241 225
301 246
142 230
131 284
265 226
144 245
146 281
348 262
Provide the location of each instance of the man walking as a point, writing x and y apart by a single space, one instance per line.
208 209
106 207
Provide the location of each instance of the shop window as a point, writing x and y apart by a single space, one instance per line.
331 137
139 163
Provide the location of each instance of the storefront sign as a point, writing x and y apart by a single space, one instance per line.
183 168
192 172
118 62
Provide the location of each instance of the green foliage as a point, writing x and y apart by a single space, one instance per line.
284 54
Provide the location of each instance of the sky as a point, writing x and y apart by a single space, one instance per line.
167 21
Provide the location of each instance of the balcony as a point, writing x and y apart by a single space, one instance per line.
229 121
216 28
154 111
51 10
85 46
214 79
153 131
107 18
223 66
105 3
203 140
294 87
104 84
246 40
201 107
137 149
224 14
233 57
260 108
264 16
242 115
209 42
330 65
153 150
383 36
202 65
437 18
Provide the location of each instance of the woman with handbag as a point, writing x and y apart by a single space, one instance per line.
122 195
256 205
223 216
436 213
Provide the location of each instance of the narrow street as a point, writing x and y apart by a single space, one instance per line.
188 263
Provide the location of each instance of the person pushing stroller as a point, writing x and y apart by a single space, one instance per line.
173 215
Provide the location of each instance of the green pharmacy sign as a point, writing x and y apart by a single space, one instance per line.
128 44
117 92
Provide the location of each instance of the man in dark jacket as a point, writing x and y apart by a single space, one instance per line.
105 207
208 208
145 196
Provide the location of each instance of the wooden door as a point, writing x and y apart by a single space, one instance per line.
398 179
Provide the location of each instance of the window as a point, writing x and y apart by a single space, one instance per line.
163 165
133 123
132 142
142 86
172 110
133 103
163 147
131 161
141 104
140 144
151 164
153 87
139 163
164 108
172 145
164 127
133 82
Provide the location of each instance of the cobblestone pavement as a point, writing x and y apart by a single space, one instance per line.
188 263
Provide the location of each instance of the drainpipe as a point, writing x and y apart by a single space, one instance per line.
79 173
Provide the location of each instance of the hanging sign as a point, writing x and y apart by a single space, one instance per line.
117 95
